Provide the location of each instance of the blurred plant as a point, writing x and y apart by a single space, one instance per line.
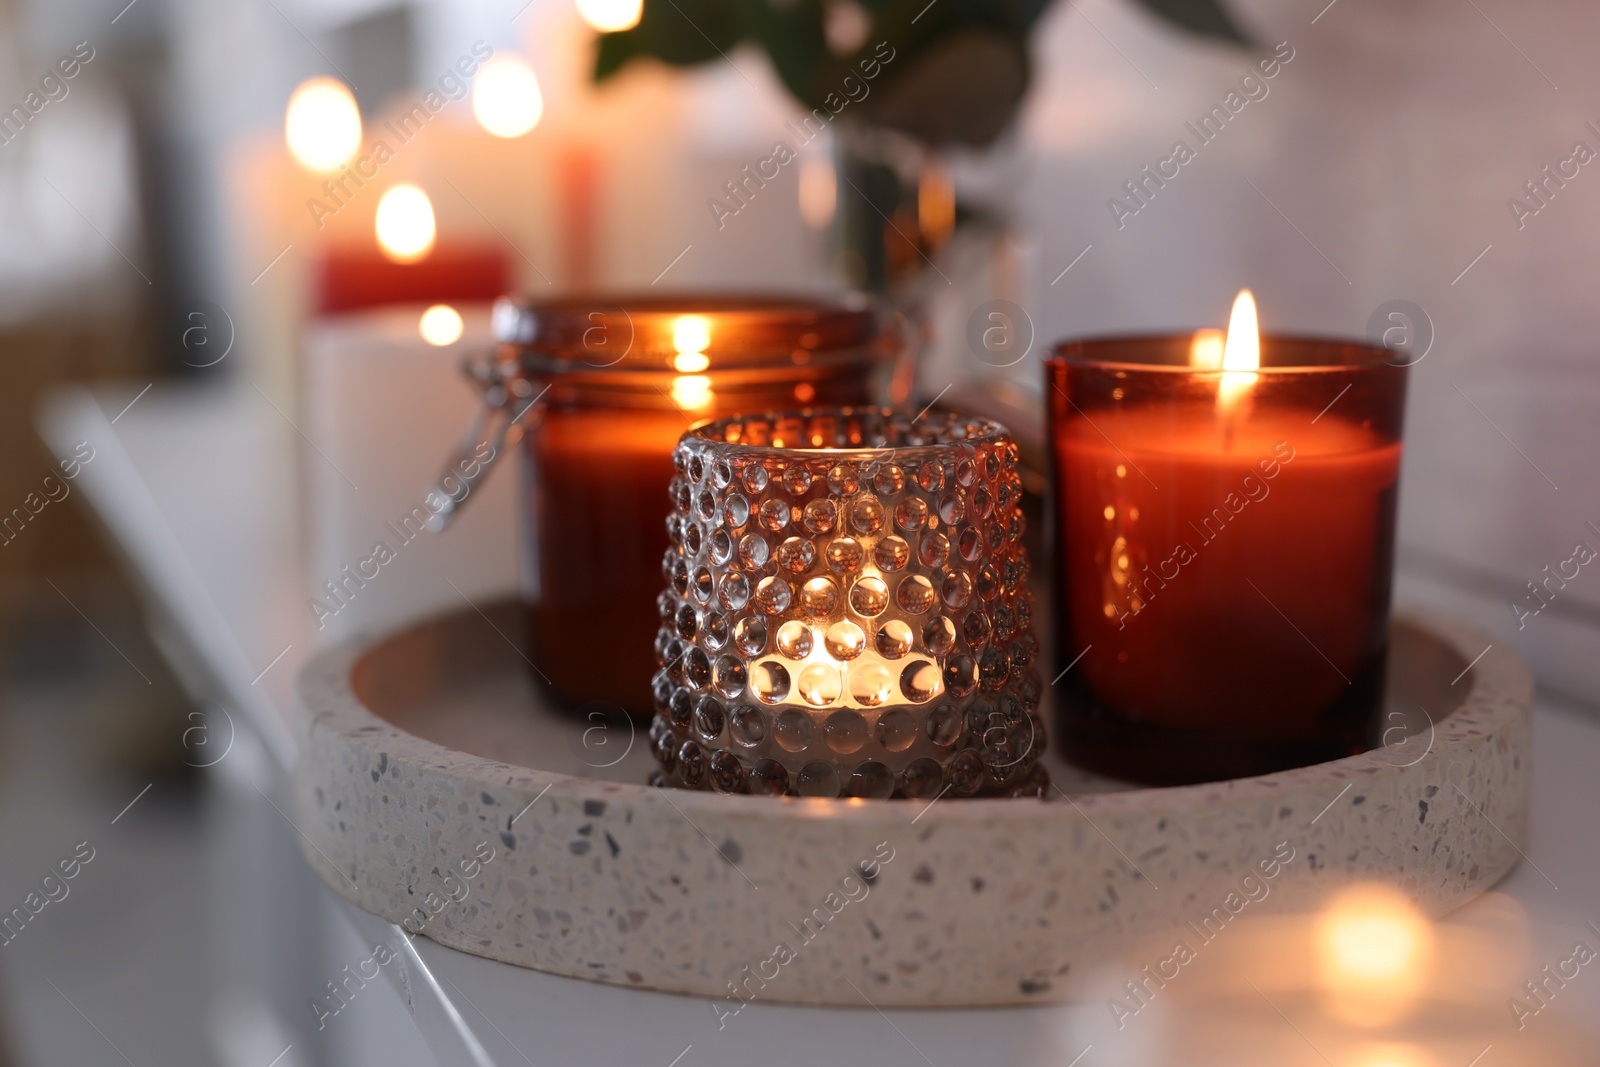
961 70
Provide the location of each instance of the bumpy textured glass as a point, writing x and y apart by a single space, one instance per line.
847 610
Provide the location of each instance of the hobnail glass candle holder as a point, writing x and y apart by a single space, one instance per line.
847 610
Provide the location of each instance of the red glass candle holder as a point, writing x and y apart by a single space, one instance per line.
1224 553
604 389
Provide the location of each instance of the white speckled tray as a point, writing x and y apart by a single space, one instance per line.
434 790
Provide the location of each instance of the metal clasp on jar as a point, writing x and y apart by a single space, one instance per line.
510 398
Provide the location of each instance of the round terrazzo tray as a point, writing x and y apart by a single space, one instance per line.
434 790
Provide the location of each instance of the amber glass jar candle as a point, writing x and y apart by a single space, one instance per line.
1224 553
610 386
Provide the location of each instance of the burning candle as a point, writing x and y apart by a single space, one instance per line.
604 390
847 610
1225 511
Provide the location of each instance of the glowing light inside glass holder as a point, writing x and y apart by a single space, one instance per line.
878 605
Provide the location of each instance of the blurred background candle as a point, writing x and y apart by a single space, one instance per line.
1225 520
609 388
1357 976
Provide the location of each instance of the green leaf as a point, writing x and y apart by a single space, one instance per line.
1204 17
614 51
680 32
688 32
962 88
793 37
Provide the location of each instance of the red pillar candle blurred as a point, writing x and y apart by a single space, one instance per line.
609 387
1225 510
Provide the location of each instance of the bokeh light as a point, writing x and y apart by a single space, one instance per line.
1205 349
610 16
691 333
506 99
322 125
1374 955
690 362
441 325
692 392
405 226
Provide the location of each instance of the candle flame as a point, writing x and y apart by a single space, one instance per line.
1241 353
1243 348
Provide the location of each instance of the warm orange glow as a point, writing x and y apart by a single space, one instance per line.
1241 354
690 362
1394 1056
1374 954
691 336
506 99
936 204
441 325
692 392
691 333
1205 351
405 226
610 16
819 683
322 125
